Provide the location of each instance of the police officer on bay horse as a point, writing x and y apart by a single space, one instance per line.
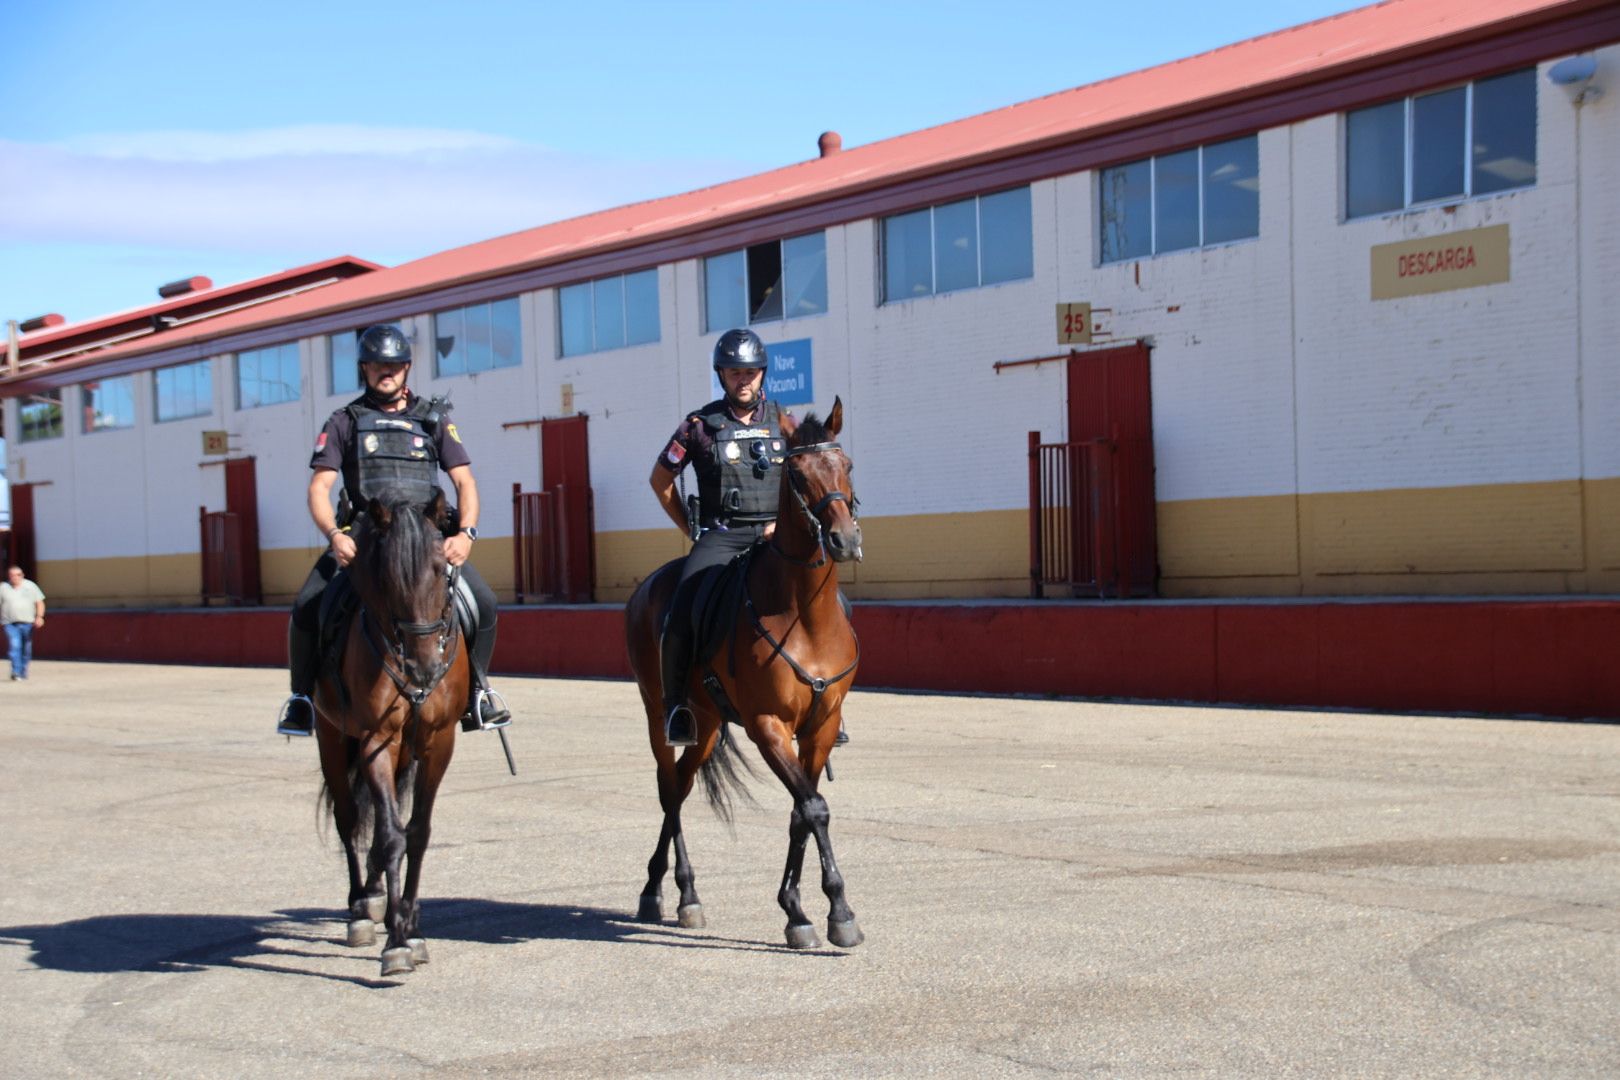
388 439
735 445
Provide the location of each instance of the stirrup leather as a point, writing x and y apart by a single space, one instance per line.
284 726
485 703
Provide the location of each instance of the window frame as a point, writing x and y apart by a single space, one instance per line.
89 426
460 311
933 247
624 313
1409 133
47 398
157 396
298 360
1204 243
747 319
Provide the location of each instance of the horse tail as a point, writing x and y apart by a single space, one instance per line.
724 774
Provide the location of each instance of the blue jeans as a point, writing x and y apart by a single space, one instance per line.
20 644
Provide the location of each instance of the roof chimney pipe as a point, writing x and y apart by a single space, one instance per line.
830 143
183 286
40 322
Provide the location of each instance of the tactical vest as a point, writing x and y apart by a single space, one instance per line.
742 484
394 452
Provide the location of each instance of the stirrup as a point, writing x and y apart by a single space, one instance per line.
843 736
488 712
287 724
680 727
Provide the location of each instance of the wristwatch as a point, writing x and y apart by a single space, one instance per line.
471 532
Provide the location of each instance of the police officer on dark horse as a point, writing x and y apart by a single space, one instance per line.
388 439
735 445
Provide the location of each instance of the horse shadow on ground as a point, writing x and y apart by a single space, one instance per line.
296 940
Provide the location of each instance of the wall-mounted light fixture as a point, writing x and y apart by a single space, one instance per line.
1577 77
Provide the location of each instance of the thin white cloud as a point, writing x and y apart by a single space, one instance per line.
384 192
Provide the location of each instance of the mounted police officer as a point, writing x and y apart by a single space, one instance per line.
736 445
388 439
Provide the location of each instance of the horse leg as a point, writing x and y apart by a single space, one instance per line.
842 929
390 837
334 752
800 933
428 775
674 784
775 742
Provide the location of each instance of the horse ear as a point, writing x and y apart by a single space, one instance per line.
835 419
436 511
381 516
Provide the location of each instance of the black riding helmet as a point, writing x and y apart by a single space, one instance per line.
381 344
739 349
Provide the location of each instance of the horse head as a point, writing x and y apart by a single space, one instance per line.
402 577
818 477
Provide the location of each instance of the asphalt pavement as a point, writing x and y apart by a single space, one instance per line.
1046 887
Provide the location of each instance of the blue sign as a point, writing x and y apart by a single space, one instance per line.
790 379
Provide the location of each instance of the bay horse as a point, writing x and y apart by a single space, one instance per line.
784 669
389 715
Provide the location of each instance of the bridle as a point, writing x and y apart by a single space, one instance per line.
393 647
813 514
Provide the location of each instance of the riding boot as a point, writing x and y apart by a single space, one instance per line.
486 709
675 654
298 714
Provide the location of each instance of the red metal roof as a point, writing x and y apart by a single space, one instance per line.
1289 60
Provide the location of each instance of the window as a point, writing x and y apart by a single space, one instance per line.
1475 139
1172 202
183 391
268 376
608 313
782 279
478 337
40 416
109 403
343 352
960 245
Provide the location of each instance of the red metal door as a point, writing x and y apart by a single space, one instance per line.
1116 530
22 529
242 501
565 475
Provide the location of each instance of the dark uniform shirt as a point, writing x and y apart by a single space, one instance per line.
693 444
335 444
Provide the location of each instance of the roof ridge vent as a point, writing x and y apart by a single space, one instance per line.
830 143
183 286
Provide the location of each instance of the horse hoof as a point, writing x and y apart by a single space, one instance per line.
397 961
651 910
802 936
845 935
375 907
418 947
690 917
362 932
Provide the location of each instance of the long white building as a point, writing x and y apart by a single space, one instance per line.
1351 286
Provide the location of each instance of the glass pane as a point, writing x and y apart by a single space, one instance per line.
292 375
506 333
1438 143
449 337
344 350
805 275
475 324
163 383
956 245
641 307
574 317
247 380
609 306
203 388
1175 201
1375 160
908 256
725 303
765 281
1505 132
1232 190
1006 238
1125 195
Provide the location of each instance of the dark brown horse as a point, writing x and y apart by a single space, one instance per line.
784 670
389 717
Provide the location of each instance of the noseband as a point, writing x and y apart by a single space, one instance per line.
812 514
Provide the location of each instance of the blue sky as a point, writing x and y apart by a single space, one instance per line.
143 142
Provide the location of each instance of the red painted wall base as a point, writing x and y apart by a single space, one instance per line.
1550 658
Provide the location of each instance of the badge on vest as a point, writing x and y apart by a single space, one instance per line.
370 443
731 451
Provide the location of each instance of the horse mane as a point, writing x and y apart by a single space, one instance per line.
809 432
402 552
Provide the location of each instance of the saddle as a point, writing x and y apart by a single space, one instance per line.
716 598
339 602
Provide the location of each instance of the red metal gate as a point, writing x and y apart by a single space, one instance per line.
1080 534
553 530
222 562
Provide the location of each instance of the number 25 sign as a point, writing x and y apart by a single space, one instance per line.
1074 324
